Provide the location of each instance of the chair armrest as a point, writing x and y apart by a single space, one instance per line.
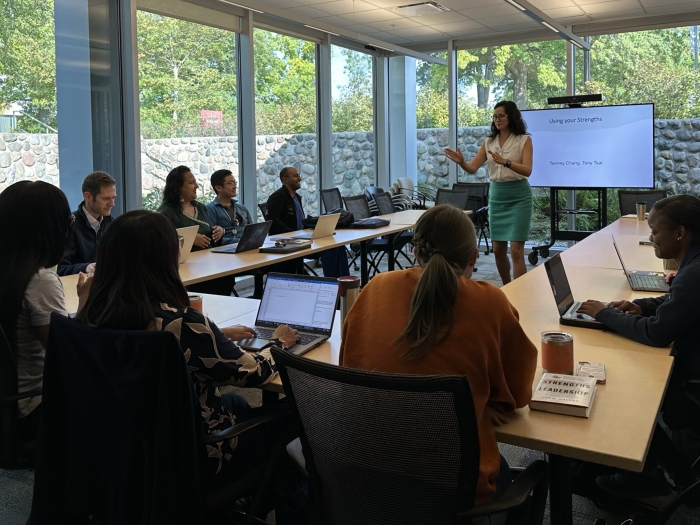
22 395
515 494
240 428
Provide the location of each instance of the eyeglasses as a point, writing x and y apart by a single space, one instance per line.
231 183
499 117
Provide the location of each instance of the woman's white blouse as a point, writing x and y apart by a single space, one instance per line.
511 150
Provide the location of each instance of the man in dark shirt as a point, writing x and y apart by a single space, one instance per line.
285 211
91 219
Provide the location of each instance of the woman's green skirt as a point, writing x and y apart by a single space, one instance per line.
510 210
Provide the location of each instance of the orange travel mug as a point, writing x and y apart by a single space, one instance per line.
196 302
558 352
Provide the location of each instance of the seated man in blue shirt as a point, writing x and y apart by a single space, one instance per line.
91 220
224 210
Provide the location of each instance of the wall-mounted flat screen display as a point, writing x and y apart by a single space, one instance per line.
592 147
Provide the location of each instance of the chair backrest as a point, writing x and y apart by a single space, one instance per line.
119 437
8 406
383 448
331 199
358 206
406 185
263 208
475 189
628 199
457 198
371 191
384 203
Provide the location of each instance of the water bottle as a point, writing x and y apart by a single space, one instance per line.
349 290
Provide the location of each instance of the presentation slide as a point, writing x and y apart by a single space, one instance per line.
594 147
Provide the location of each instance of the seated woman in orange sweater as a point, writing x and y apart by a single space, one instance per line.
435 320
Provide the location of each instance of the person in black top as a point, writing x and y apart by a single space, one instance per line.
660 321
285 211
91 219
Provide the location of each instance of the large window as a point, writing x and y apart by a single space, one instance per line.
188 102
285 113
432 124
352 83
28 116
527 74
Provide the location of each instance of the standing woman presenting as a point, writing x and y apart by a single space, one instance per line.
508 151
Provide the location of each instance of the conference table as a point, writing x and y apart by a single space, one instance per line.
619 429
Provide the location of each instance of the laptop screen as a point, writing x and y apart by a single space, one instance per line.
619 255
300 301
559 283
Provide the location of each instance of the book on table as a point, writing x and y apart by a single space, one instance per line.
564 394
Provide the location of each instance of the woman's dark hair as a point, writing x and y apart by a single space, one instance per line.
516 124
680 210
136 268
173 185
37 222
445 239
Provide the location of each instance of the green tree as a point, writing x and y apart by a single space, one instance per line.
184 68
28 61
354 109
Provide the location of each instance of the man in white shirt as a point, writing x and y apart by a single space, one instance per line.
91 219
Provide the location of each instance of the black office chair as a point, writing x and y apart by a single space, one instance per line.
628 199
386 206
13 453
331 199
478 205
394 449
121 438
457 198
376 248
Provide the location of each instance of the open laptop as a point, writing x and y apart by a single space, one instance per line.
641 281
324 227
303 302
189 233
253 237
566 305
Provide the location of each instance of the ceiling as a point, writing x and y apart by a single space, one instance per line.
477 21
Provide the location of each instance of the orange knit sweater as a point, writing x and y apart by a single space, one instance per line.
486 344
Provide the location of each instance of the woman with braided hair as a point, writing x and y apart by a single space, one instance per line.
434 319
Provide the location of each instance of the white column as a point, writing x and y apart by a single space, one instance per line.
402 118
247 168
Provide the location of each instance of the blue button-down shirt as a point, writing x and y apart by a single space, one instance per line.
227 217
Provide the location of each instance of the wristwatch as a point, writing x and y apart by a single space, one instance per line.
507 164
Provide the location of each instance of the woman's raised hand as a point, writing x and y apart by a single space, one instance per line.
454 156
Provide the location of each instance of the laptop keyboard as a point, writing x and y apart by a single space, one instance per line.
304 339
646 281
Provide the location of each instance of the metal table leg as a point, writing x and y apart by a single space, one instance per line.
390 263
364 273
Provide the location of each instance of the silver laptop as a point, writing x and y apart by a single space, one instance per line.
188 234
641 281
324 227
252 238
303 302
568 308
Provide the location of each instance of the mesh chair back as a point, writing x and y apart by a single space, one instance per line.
371 191
8 406
331 199
475 189
358 206
383 448
457 198
629 199
384 203
263 208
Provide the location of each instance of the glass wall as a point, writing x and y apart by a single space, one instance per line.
664 71
352 88
432 124
28 114
525 73
285 113
188 102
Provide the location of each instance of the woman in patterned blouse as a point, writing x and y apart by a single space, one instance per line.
139 289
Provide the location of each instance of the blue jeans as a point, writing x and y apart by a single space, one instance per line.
503 481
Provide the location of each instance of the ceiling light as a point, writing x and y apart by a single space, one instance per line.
420 9
516 4
322 30
241 6
549 26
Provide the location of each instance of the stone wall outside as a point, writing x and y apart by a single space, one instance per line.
25 156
